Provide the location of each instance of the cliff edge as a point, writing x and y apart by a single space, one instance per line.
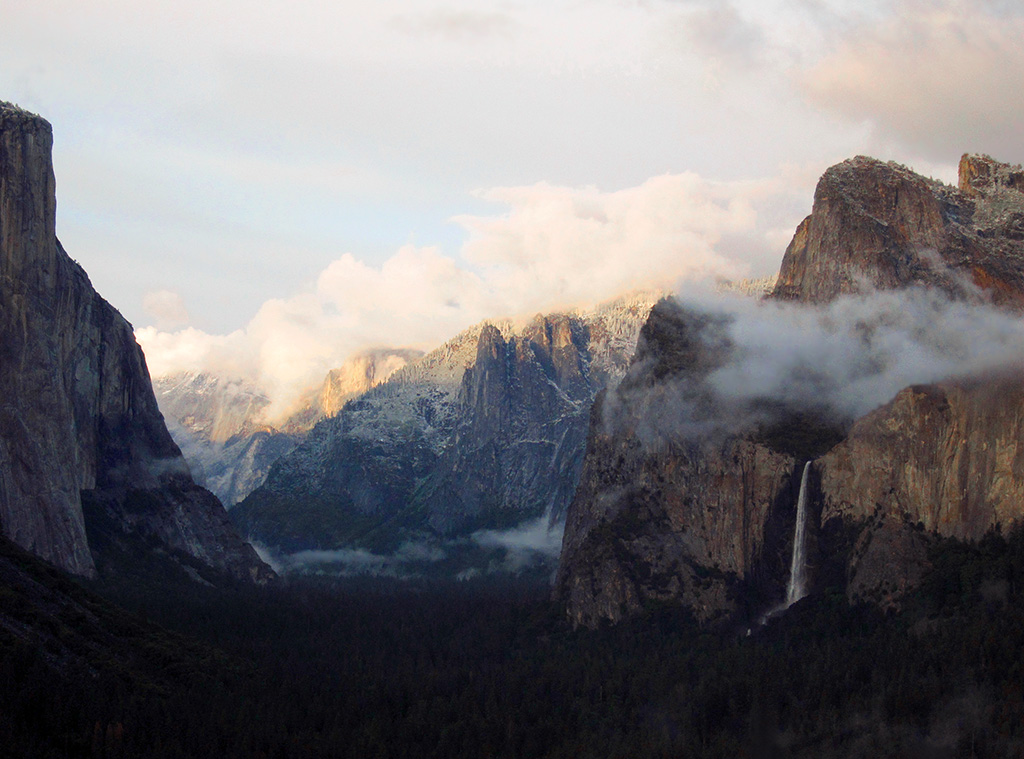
78 418
688 498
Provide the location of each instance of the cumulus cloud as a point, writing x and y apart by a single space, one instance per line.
842 359
942 76
191 349
166 308
562 246
554 247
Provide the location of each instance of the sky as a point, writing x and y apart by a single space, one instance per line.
263 188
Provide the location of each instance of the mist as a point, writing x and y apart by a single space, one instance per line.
344 562
529 543
839 360
534 543
544 248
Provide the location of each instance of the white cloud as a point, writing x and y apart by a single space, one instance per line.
555 247
191 349
408 559
844 358
940 77
527 543
167 308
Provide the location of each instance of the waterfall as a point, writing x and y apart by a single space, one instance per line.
798 565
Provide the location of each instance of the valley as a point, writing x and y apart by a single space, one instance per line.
723 523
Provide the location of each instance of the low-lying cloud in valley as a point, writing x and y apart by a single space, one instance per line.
532 544
534 541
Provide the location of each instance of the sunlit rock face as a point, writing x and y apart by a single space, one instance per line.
222 427
78 419
948 456
880 226
485 432
683 499
943 460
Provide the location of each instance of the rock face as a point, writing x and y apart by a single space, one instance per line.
941 460
949 456
880 225
485 432
216 423
686 512
221 425
522 402
665 513
78 418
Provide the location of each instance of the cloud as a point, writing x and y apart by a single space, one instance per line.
417 298
532 542
191 349
457 24
554 247
408 559
844 359
720 34
940 76
562 246
167 308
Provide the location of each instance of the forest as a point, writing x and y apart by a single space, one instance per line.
376 667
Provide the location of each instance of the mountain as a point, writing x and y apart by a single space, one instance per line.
87 467
484 433
690 484
221 425
880 225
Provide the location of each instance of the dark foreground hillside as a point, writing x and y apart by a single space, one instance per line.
377 668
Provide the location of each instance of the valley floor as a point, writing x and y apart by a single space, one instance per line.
379 668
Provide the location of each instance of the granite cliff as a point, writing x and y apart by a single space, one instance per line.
879 225
670 513
85 458
700 509
484 433
222 427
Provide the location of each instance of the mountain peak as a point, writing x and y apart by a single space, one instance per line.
981 174
880 226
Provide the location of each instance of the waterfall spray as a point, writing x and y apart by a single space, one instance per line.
798 565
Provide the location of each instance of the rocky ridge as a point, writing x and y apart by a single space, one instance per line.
485 432
221 424
79 425
672 513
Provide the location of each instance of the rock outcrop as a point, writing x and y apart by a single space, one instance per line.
485 432
664 511
678 510
523 401
880 226
222 427
948 457
943 460
77 413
